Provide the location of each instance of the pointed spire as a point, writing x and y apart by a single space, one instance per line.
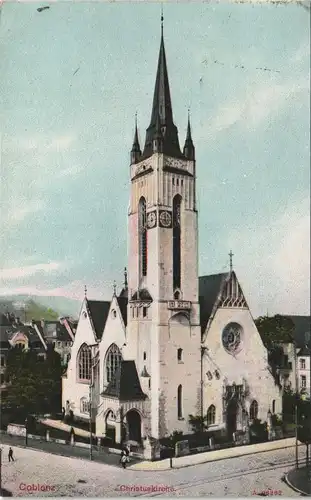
189 150
230 256
114 288
162 106
125 279
135 151
158 137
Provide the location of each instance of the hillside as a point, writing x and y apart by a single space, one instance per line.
33 307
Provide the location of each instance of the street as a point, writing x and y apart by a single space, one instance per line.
40 474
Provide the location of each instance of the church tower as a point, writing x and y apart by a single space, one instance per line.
163 331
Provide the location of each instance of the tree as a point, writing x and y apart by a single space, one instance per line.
275 329
197 423
34 386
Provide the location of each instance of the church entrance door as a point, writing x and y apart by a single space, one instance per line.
134 426
232 412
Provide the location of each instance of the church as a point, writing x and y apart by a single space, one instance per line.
170 344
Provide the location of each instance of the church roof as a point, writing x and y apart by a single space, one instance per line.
304 351
122 302
210 287
98 311
162 110
125 383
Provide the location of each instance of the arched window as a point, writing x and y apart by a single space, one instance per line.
179 401
84 363
112 362
176 242
179 354
84 405
273 406
253 411
209 375
211 415
142 234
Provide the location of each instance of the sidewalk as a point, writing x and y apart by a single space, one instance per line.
213 456
65 450
300 480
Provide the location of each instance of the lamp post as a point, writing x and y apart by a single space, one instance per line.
203 350
296 404
26 436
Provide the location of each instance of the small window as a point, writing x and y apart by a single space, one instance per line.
303 381
177 182
182 182
217 374
209 375
302 364
273 406
114 313
177 295
2 361
253 410
211 415
179 355
173 181
133 312
144 312
149 383
137 312
179 403
145 356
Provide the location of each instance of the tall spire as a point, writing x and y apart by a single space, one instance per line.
162 106
189 150
135 151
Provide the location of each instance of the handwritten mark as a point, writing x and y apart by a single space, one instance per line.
76 71
40 9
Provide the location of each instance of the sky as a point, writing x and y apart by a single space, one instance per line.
72 78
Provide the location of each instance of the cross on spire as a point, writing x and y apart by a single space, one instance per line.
85 291
125 279
114 287
230 256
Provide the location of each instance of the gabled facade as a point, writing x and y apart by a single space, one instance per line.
171 344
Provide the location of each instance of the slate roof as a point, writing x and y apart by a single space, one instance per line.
122 301
55 326
302 326
125 384
98 311
209 288
304 351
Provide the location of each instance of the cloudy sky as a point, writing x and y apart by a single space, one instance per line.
72 78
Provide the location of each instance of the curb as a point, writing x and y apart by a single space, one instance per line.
159 469
287 481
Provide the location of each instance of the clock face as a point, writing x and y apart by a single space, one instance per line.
151 219
232 337
165 219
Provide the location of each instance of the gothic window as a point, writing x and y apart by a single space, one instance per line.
84 405
209 375
211 415
176 241
179 402
113 361
253 411
142 231
84 363
144 312
302 363
145 356
179 355
273 406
